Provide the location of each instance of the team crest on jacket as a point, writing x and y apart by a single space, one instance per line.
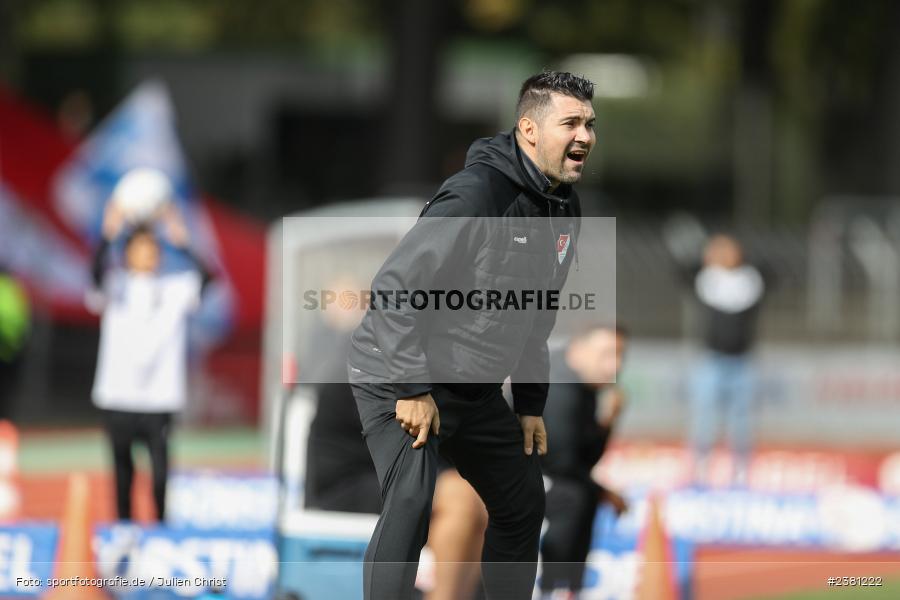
562 247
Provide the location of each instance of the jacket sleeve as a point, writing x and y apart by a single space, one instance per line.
427 251
563 431
95 295
98 263
593 441
531 377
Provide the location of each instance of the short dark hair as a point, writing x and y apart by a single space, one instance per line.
140 230
535 93
617 327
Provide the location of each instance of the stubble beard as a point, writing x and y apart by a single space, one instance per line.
558 175
570 178
555 175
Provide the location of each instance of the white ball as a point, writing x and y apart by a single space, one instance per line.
141 193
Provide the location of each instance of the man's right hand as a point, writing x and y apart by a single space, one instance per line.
419 415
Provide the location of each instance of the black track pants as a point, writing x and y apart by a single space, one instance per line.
482 437
124 429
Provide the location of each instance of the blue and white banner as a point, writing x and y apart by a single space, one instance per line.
216 501
27 555
161 563
846 518
142 132
322 558
31 247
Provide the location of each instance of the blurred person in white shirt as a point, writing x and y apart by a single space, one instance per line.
141 377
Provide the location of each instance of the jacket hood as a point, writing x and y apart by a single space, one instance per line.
502 153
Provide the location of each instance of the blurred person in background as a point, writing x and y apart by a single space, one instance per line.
583 407
15 324
75 114
141 378
340 475
729 292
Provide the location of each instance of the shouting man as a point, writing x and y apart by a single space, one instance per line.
486 256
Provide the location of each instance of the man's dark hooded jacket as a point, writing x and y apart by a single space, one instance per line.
491 226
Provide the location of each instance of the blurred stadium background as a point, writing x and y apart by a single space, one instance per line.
777 120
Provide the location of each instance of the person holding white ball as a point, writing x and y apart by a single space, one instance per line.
141 377
142 194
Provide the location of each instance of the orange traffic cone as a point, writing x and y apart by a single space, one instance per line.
9 449
10 496
75 560
656 579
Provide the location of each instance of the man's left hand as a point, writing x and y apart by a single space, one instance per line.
535 434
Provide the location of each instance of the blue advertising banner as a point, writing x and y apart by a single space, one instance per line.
217 501
321 567
844 518
27 554
161 563
322 554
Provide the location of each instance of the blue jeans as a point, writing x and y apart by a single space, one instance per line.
723 383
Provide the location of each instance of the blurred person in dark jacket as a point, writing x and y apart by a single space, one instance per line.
583 407
729 292
340 475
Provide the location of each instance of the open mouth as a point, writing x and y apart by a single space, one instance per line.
577 156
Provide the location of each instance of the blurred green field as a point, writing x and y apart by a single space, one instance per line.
63 451
890 589
47 458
